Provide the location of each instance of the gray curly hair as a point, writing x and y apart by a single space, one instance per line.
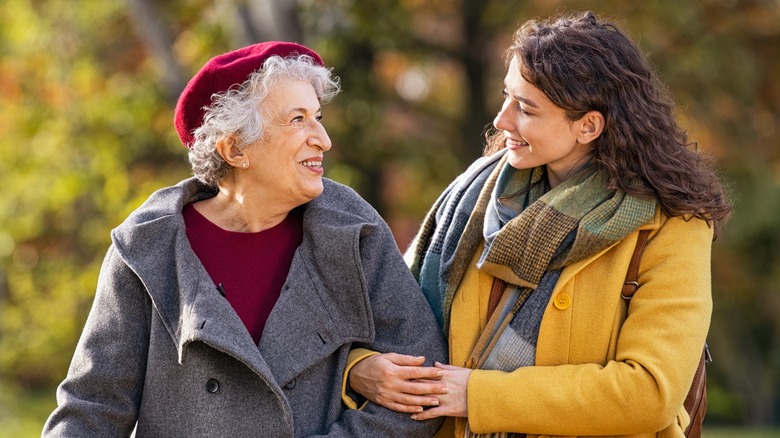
235 112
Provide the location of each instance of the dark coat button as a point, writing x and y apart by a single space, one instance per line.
212 385
290 384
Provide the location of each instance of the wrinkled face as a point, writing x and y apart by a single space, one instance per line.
537 131
287 162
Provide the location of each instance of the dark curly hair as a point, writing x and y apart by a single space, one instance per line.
583 64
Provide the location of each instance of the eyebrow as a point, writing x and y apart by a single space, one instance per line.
303 110
528 102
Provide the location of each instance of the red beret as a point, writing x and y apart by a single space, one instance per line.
221 73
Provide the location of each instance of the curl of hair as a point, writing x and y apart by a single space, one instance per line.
238 112
582 64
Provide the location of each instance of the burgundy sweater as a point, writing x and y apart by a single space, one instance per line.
249 268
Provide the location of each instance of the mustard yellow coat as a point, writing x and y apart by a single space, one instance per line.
599 371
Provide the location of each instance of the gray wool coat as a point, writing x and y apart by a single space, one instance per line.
163 354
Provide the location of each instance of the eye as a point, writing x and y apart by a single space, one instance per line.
518 106
297 119
319 117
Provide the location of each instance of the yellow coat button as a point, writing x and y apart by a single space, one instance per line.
562 301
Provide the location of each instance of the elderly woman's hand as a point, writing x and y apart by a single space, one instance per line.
398 382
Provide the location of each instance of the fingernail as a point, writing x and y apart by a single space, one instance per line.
439 373
414 416
445 390
435 402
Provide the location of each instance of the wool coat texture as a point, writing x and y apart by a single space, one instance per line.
163 354
603 367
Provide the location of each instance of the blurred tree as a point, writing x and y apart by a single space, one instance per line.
87 104
85 137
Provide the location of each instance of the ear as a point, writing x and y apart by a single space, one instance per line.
227 148
589 127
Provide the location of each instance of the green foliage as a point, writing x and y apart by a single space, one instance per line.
84 142
23 413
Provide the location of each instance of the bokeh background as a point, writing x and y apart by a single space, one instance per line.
87 91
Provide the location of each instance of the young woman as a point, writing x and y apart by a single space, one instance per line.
524 256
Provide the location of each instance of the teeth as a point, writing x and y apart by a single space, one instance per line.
515 142
312 163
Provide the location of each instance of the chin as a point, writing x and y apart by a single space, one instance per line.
314 191
517 161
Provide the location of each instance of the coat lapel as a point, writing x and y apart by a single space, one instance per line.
210 319
323 304
183 294
555 332
299 331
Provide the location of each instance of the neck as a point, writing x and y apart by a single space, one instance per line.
555 177
243 211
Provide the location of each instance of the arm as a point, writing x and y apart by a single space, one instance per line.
393 381
642 389
101 394
403 323
350 396
398 382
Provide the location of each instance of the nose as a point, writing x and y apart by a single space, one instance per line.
319 137
503 120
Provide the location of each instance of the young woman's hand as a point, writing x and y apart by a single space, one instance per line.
453 403
398 382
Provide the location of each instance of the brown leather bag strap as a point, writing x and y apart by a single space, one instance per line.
496 292
632 275
696 400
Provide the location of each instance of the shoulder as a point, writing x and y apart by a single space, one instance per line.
340 204
678 252
675 242
159 217
338 193
339 222
168 201
681 230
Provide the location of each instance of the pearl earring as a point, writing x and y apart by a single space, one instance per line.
245 164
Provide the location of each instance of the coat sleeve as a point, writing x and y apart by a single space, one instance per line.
642 388
101 393
403 323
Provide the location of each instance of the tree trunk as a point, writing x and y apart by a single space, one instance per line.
153 32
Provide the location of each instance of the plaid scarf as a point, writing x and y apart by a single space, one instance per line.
530 234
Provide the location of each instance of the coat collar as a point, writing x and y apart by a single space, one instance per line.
571 271
316 307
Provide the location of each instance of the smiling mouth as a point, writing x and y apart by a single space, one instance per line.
312 164
515 143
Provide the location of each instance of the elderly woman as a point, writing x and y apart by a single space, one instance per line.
228 304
